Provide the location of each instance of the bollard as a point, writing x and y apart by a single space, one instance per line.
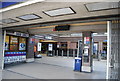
57 52
73 53
68 53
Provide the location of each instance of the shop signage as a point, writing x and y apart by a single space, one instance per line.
18 34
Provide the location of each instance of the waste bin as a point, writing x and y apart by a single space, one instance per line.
78 64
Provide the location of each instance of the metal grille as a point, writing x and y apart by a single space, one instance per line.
114 56
119 44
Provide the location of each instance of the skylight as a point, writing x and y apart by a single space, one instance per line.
29 17
8 21
101 6
60 12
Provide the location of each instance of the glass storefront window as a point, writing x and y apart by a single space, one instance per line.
7 43
13 43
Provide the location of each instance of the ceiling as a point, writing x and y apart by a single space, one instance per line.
38 8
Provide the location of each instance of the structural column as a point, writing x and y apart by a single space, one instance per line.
113 62
108 47
100 50
30 49
1 51
87 64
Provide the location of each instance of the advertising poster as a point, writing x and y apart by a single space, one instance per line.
13 43
50 47
6 46
7 43
22 46
39 46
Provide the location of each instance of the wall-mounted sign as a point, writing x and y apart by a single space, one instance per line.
50 47
86 40
24 35
39 46
32 40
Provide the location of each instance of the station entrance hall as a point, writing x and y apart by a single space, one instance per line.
49 39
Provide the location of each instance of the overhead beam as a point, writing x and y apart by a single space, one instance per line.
78 24
69 21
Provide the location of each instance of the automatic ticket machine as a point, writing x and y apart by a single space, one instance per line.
87 60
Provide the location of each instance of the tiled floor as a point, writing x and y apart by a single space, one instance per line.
53 68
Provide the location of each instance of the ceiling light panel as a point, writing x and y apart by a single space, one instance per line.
29 17
101 6
60 12
8 21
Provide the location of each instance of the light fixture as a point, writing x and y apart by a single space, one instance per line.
60 12
98 6
8 21
76 34
29 17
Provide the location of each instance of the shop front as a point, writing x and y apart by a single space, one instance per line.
15 48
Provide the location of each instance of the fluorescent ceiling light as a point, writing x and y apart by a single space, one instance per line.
59 12
99 34
53 34
95 33
48 37
76 34
29 17
20 5
101 6
8 21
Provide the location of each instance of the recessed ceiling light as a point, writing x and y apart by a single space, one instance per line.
60 12
101 6
29 17
8 21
